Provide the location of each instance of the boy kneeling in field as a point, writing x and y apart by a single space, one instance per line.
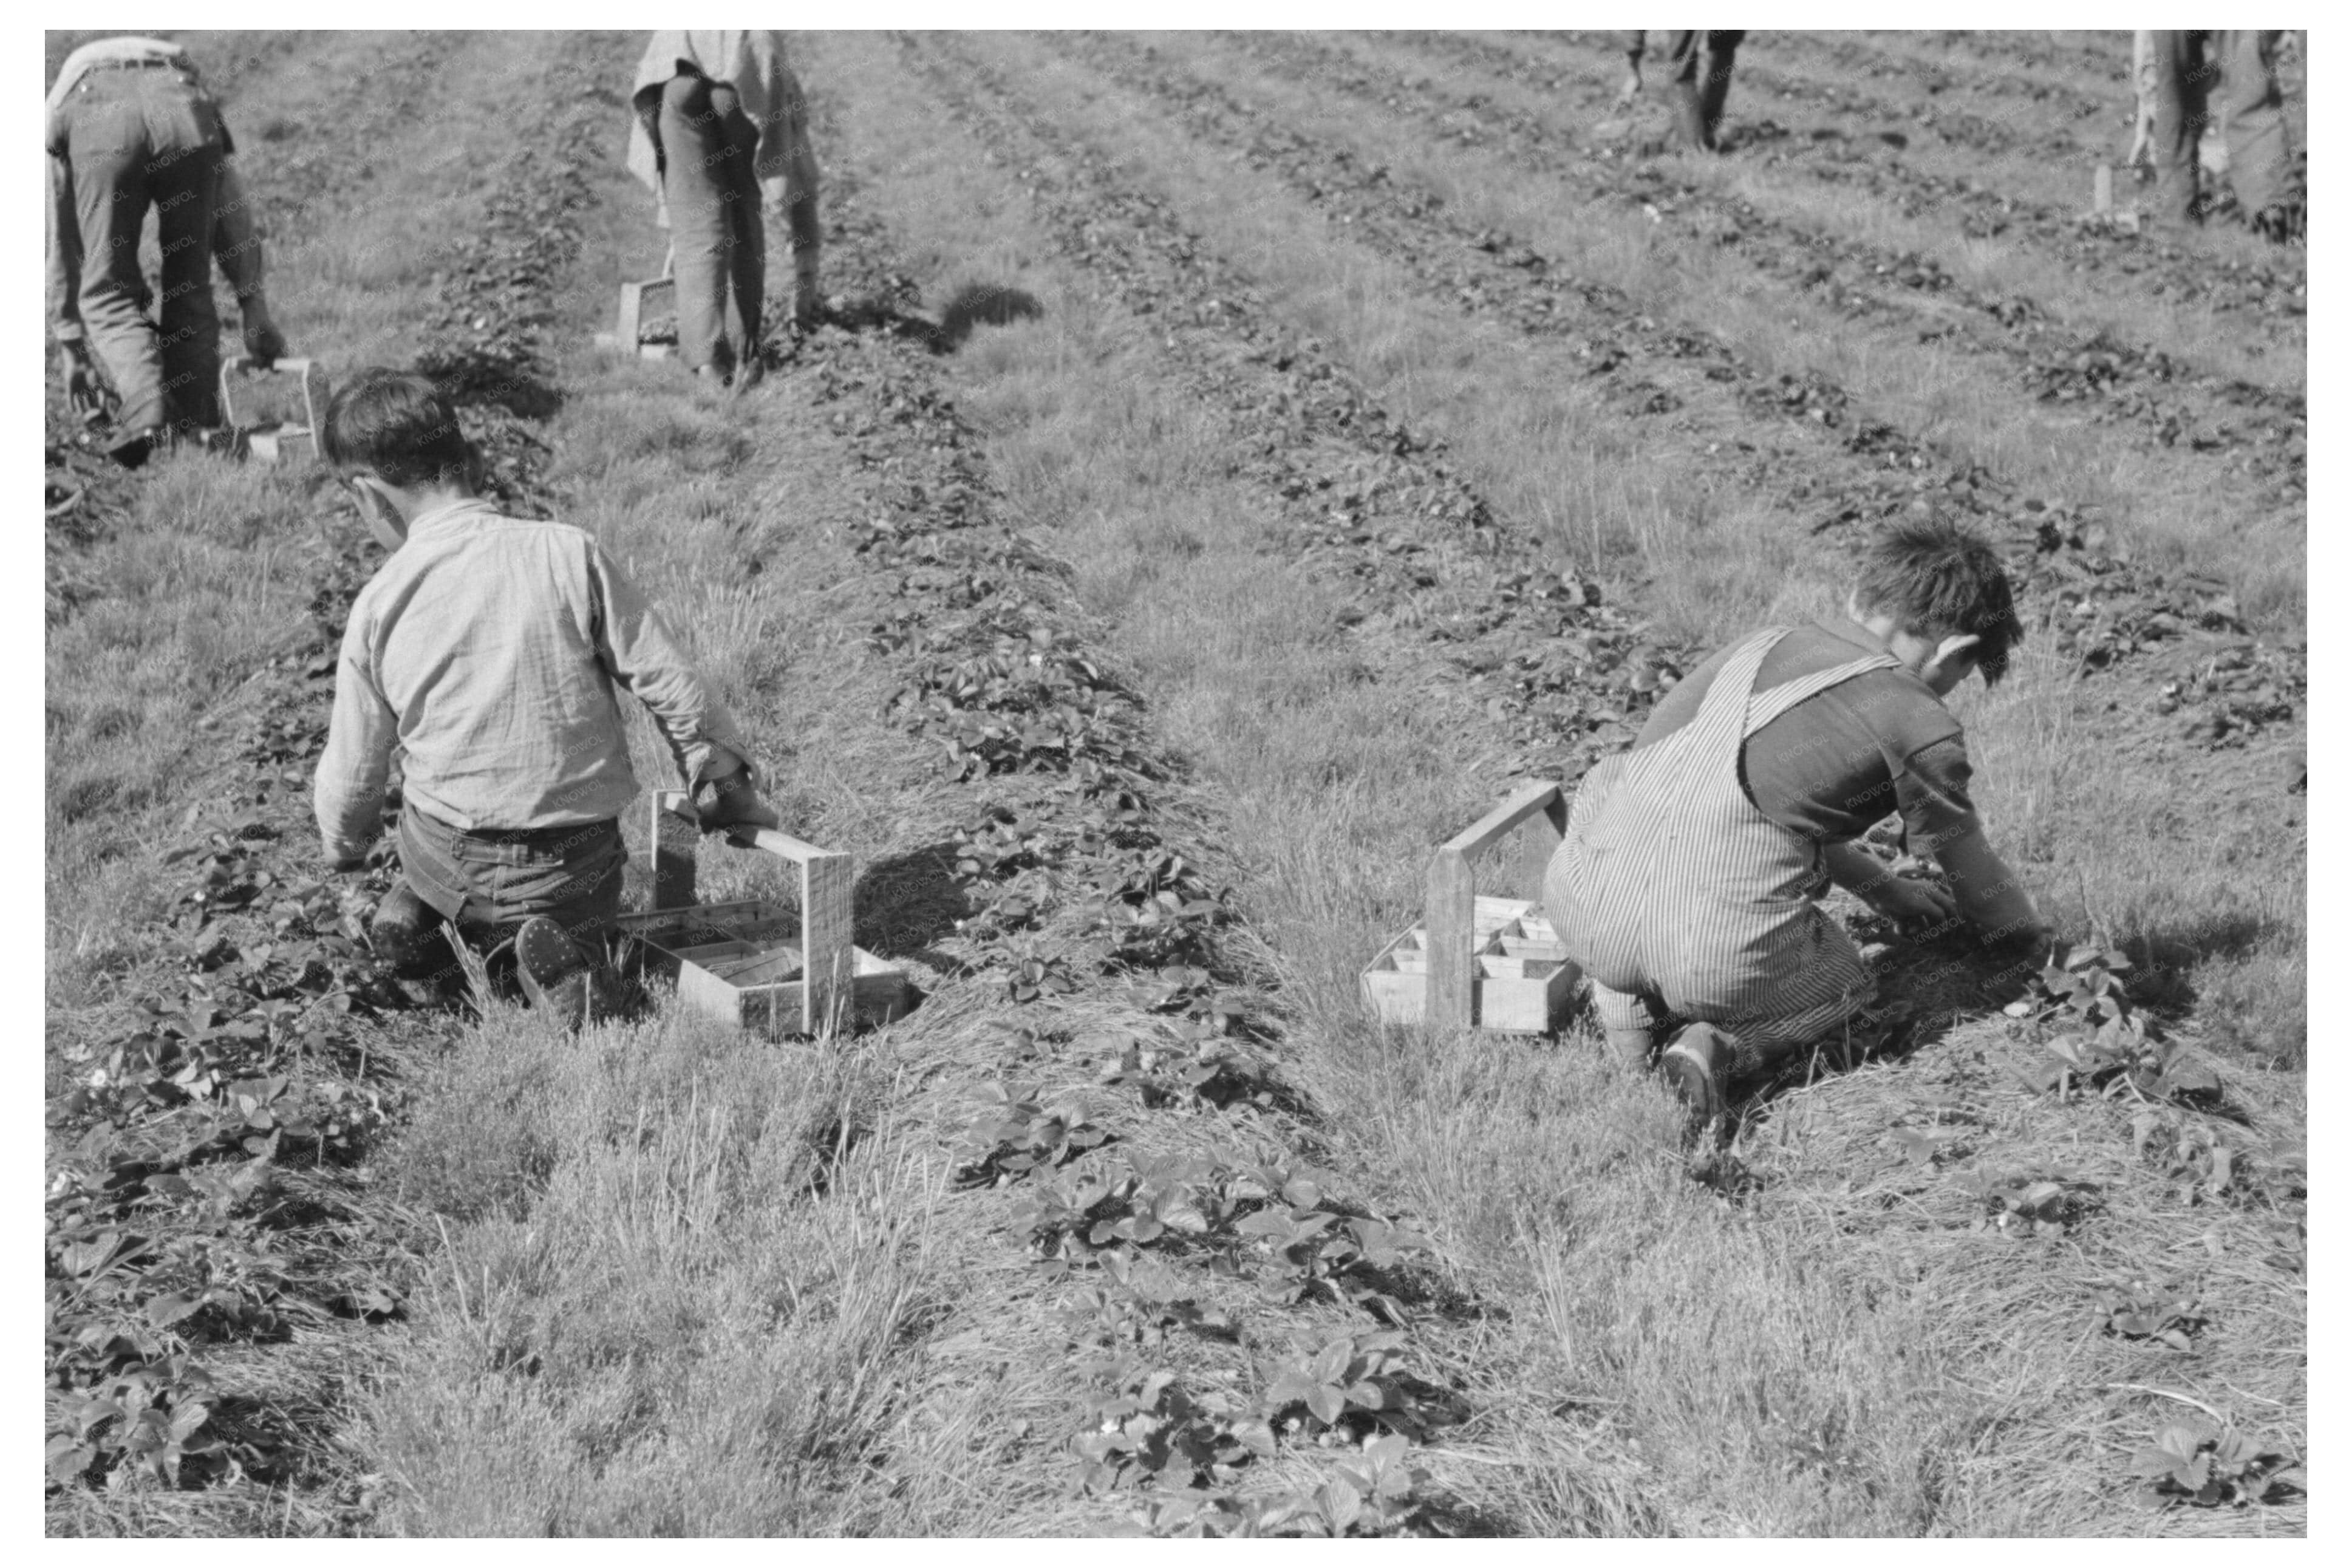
492 650
1685 885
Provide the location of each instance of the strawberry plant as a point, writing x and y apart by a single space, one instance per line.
2095 1038
1316 1244
148 1414
1014 1134
2201 1167
1354 1386
1147 1428
1320 1249
1123 1316
1373 1493
1180 1064
2206 1466
1128 1200
2021 1205
1034 977
2168 1320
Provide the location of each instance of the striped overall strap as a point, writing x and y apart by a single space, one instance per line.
1763 706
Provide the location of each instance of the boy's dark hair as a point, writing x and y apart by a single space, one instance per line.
396 425
1938 579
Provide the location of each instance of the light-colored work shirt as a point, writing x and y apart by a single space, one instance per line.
492 651
752 62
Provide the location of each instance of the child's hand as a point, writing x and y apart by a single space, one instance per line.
1910 903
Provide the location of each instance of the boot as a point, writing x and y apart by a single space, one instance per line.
560 976
1694 1063
409 938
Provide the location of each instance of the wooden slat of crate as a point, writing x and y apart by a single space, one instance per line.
700 946
1521 992
1452 913
876 994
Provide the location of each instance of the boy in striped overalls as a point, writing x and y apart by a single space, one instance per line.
1685 885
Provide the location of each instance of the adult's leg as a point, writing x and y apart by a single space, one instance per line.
1714 85
2182 79
693 157
1682 59
106 147
2252 125
183 173
747 237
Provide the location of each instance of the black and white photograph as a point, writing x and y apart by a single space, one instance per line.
1004 782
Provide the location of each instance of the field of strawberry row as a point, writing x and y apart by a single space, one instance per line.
1359 424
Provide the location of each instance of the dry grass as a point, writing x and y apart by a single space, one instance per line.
696 1322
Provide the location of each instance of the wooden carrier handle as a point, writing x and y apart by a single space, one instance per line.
1452 912
828 884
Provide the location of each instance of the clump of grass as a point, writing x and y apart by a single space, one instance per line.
684 1319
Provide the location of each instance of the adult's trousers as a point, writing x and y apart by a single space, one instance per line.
705 144
136 139
2229 77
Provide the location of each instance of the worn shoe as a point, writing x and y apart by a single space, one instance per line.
132 448
559 975
1694 1063
405 934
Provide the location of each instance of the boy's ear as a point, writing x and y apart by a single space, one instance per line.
1951 649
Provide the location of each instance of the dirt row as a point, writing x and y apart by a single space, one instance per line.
2256 430
1651 367
2270 296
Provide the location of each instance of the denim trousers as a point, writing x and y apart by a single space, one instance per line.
489 881
137 139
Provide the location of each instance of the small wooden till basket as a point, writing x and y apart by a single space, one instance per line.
1496 963
751 962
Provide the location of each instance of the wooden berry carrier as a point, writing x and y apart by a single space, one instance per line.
751 962
638 301
1493 963
271 439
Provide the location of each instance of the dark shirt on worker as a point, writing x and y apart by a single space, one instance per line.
1838 761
